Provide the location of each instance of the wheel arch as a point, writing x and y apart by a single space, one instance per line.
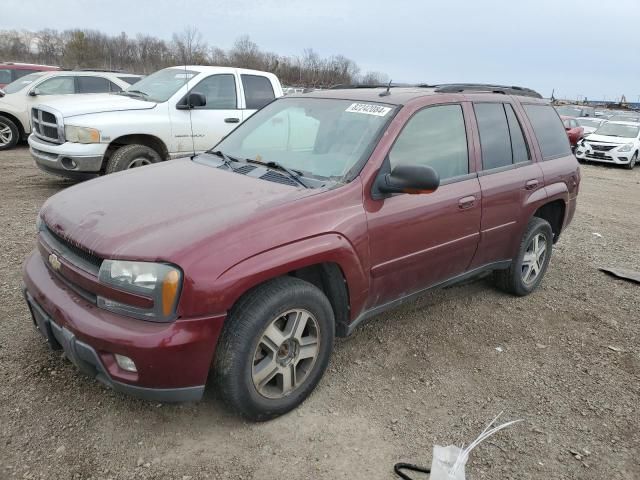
15 120
553 212
147 140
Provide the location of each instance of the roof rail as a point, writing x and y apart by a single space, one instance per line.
103 70
481 87
382 85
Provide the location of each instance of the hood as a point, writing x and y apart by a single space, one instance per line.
98 103
608 139
158 211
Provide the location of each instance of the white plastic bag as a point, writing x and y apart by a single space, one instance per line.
443 461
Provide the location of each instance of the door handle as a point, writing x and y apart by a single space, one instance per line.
466 202
232 120
531 185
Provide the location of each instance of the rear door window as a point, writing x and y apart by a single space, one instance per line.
435 137
519 147
257 91
93 85
495 141
549 131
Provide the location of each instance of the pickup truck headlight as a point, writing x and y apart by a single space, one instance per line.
159 281
81 134
626 148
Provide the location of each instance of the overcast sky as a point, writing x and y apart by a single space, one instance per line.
578 47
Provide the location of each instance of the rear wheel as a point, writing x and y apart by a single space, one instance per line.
274 348
528 268
132 156
9 133
633 161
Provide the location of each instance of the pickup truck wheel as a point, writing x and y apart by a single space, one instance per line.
132 156
633 161
528 268
274 348
9 133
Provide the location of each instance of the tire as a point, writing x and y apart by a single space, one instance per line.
514 279
633 162
132 156
9 133
244 355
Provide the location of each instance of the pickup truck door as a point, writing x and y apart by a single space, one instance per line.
417 241
208 124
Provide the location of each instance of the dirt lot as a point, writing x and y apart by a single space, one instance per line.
426 373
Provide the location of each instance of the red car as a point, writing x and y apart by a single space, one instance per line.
10 72
322 210
575 132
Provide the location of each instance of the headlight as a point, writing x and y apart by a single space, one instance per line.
158 281
81 134
626 148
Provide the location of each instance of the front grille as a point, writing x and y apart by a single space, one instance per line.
46 125
602 148
78 256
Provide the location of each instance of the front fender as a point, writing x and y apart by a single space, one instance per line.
330 247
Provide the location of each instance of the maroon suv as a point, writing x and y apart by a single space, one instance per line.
319 212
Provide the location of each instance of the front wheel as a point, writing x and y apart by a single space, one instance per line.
528 268
9 133
274 348
132 156
633 161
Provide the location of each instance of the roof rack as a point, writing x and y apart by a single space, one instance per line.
481 87
103 70
382 85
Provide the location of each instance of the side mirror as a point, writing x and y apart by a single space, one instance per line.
34 92
193 100
412 179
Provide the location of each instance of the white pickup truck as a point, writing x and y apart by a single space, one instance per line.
168 114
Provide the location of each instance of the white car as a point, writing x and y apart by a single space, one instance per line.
17 98
590 124
614 142
171 113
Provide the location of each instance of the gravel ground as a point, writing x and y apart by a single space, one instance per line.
429 373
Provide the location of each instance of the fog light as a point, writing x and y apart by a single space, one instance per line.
125 363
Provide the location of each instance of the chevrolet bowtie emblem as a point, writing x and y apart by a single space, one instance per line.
54 262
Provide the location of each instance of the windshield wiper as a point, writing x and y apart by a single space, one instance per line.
226 159
293 174
134 93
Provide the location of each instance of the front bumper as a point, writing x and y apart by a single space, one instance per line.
611 156
172 359
72 160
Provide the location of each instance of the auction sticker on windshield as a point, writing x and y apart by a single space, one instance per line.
368 109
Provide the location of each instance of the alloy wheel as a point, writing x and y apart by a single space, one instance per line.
533 259
286 353
6 135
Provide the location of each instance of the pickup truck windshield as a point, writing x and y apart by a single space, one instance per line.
22 82
318 137
160 86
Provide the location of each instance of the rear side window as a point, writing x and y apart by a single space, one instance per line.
495 140
435 137
23 73
549 131
257 91
93 85
5 76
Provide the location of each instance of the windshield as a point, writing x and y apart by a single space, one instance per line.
589 122
569 111
318 137
160 86
618 130
23 82
625 118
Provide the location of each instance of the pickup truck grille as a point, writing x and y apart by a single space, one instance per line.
47 125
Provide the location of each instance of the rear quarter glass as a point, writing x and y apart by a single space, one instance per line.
549 131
